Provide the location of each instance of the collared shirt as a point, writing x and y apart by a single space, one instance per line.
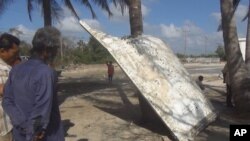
5 124
31 102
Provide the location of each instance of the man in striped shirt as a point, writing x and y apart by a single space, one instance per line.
8 53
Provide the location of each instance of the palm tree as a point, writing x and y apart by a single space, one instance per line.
136 29
52 10
247 54
135 15
238 73
3 5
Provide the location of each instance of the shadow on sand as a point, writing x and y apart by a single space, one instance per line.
124 110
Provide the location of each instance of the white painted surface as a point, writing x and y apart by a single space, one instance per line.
163 81
242 42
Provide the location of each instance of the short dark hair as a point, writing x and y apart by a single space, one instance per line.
7 40
46 39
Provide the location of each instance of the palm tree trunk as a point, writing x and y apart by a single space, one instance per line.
238 73
248 41
135 17
47 13
136 29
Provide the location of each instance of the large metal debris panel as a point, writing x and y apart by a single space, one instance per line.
162 80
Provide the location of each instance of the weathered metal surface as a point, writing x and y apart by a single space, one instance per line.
164 82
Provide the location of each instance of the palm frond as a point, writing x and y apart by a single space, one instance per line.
4 4
219 28
246 16
235 6
122 3
56 10
40 2
30 8
71 8
88 5
236 3
104 5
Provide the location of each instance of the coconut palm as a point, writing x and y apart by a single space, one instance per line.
238 72
136 29
247 54
4 4
52 10
135 14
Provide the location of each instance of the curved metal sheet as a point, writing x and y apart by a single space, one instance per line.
163 81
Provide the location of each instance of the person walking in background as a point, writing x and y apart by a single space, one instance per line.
9 51
30 92
111 71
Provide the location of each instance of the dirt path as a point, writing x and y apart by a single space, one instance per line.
219 130
93 110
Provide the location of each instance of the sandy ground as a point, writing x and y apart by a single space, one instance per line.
94 110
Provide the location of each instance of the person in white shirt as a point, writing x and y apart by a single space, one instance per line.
9 51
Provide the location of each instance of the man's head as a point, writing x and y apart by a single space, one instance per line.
46 42
9 49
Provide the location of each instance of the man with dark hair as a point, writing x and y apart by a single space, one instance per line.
30 93
9 51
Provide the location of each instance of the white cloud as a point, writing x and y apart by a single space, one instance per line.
170 31
93 23
241 12
239 15
22 32
217 16
71 28
70 24
145 10
117 15
24 29
196 38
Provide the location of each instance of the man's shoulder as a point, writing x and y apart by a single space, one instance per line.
44 69
4 70
4 67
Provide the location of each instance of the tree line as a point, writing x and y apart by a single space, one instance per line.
91 52
219 52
